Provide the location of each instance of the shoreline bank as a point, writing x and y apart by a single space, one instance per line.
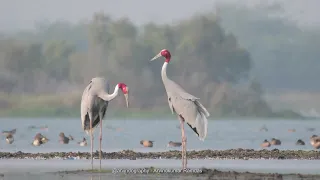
242 154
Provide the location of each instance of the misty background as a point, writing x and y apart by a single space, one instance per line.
242 58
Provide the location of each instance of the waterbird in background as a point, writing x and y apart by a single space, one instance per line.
39 139
265 143
44 139
83 142
300 142
315 141
94 103
187 107
174 144
9 138
146 143
63 139
12 132
275 141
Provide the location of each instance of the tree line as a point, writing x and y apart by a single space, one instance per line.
61 58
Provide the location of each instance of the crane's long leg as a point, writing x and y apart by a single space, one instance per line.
184 143
91 139
100 142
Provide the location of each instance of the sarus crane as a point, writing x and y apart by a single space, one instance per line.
94 104
187 107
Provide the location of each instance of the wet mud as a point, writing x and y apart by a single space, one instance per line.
211 174
245 154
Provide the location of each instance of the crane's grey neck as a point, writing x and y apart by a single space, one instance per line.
164 72
108 97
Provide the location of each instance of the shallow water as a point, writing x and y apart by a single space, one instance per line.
44 169
263 166
126 134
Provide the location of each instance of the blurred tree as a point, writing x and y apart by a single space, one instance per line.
207 59
56 54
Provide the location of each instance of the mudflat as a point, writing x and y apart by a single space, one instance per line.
202 154
204 174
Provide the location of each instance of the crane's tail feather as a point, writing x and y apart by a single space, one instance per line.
202 109
201 125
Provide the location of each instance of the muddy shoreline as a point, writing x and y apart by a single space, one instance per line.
204 174
244 154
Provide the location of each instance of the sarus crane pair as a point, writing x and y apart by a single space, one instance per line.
187 107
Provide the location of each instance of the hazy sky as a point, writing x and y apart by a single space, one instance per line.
19 14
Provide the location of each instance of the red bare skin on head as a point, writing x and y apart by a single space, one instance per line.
166 54
123 87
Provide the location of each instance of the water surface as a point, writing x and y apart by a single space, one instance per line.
126 134
262 166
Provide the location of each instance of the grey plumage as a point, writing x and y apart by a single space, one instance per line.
94 103
186 106
94 106
9 139
63 139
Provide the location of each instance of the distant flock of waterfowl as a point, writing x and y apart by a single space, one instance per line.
40 139
314 139
147 143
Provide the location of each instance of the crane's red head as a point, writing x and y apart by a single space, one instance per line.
164 53
124 88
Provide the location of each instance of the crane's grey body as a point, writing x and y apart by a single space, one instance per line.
187 106
92 102
93 108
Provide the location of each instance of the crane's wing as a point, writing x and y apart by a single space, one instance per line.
85 104
201 108
90 101
189 108
183 94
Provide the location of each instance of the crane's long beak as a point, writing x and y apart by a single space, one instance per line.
156 57
126 96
